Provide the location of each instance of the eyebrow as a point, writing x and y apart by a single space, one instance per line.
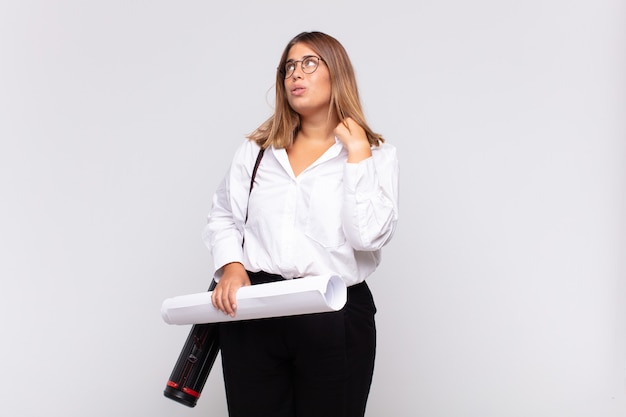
303 57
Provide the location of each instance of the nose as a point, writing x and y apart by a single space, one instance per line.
297 72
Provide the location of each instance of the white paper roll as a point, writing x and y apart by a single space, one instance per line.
308 295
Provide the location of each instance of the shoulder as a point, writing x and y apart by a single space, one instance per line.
384 147
385 152
247 148
246 153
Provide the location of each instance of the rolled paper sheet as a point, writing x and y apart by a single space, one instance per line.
316 294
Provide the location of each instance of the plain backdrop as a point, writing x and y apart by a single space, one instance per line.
502 294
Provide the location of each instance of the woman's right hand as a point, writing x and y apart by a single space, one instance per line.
224 296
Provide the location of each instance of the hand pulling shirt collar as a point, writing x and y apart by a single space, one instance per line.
334 217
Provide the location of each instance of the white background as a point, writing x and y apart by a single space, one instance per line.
503 291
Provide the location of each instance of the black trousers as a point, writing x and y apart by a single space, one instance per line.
314 365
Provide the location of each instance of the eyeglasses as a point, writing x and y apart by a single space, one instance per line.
308 64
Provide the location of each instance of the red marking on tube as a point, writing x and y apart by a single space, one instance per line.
191 392
172 384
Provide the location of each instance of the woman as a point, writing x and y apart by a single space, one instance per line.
325 200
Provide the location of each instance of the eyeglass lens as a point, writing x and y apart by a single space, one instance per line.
308 64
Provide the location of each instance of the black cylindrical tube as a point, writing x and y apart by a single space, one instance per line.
194 363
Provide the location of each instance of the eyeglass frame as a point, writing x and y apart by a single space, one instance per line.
283 71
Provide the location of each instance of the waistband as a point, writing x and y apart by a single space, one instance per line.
263 277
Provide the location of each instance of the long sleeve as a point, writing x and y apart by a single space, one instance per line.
223 233
370 207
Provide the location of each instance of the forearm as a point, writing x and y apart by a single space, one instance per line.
370 208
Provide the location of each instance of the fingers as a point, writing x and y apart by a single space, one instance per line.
224 298
348 126
354 139
350 132
224 295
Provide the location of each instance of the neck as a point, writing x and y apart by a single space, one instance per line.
319 130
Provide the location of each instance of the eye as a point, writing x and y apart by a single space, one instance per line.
310 62
290 66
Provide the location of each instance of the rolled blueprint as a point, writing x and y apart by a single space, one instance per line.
308 295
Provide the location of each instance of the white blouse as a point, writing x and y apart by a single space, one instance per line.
334 217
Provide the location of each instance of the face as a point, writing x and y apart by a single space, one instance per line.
307 94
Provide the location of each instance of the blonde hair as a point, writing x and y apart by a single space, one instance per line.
281 128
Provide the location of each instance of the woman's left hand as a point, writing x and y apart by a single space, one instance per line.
354 139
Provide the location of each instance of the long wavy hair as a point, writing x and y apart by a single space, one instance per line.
282 127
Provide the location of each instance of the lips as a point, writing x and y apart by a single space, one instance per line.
298 90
